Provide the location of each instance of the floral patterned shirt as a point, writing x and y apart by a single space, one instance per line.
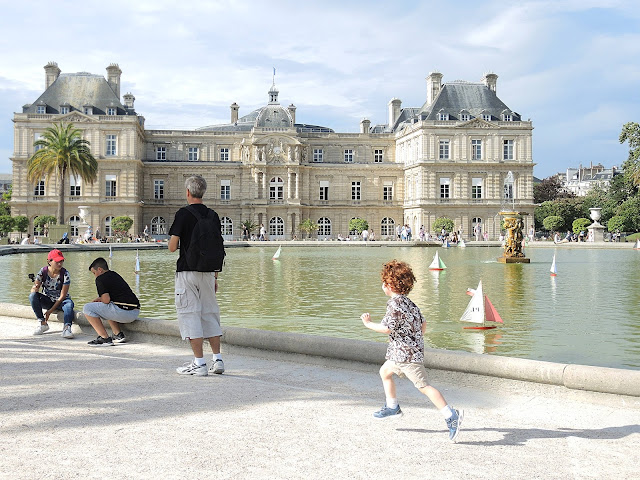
403 318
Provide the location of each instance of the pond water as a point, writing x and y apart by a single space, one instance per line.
588 314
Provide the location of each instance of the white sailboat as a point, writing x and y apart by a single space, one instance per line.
461 244
277 254
110 252
137 270
637 245
480 310
437 263
553 269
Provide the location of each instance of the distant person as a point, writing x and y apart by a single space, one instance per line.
365 234
263 232
145 233
408 233
64 239
55 281
245 233
405 326
26 240
197 278
97 235
116 303
532 233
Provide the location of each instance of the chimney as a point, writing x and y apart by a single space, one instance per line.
434 85
234 112
490 80
365 124
394 111
52 72
113 78
128 100
292 112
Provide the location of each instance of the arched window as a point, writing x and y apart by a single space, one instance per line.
108 231
227 227
353 232
276 189
324 227
276 227
74 221
387 227
36 230
158 226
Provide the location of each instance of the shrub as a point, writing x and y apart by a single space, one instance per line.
580 225
443 222
552 223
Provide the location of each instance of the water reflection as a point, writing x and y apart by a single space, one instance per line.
588 314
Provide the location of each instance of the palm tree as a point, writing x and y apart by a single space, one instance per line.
62 152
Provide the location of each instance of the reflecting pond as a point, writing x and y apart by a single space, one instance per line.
588 314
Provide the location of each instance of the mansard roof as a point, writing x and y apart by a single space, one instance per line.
79 90
474 98
265 117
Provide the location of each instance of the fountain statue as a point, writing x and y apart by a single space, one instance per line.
513 244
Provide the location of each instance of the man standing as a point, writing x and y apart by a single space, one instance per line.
195 289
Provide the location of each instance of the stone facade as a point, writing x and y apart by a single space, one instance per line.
449 157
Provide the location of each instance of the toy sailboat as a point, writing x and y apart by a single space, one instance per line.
637 245
277 254
553 269
437 263
110 252
462 244
137 270
480 310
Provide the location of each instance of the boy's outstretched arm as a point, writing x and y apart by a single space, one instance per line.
376 327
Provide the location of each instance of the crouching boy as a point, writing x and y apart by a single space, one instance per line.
116 303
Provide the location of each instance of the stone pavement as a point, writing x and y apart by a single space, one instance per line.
68 410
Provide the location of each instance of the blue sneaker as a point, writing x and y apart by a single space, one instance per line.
385 412
454 424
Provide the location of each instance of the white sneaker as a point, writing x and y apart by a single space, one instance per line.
191 368
66 333
217 367
41 328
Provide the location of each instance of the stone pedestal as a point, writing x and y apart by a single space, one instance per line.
56 231
513 260
596 232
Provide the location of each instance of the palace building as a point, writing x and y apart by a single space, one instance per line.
449 157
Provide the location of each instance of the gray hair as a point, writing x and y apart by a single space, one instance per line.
196 186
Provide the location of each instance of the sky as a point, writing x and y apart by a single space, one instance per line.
572 67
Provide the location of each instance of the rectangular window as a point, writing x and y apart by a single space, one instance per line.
444 149
464 117
324 190
486 117
74 186
387 191
192 154
41 109
377 156
476 188
508 191
507 150
111 145
224 154
36 137
476 149
111 111
445 184
161 153
443 116
64 110
225 189
88 110
39 190
110 190
318 155
348 156
158 189
356 193
508 118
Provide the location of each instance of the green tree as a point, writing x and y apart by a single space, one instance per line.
21 223
249 225
629 211
580 225
121 226
615 223
42 221
358 225
307 226
631 134
552 223
6 225
443 222
550 189
5 207
62 152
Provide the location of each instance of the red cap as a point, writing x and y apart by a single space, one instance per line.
55 255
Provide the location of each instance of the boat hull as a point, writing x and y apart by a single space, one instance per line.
478 328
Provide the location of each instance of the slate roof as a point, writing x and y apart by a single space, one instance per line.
79 90
247 122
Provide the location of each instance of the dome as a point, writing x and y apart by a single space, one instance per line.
274 116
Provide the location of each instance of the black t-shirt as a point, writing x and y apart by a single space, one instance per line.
182 226
112 283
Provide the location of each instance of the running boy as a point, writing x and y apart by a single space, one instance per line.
116 303
405 326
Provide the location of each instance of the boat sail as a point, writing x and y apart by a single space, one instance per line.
277 254
110 252
480 310
637 245
137 270
437 263
553 269
462 244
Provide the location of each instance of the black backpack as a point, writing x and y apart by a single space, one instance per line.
206 250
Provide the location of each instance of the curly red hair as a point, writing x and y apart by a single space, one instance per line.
398 276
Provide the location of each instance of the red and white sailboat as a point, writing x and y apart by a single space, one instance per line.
480 310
